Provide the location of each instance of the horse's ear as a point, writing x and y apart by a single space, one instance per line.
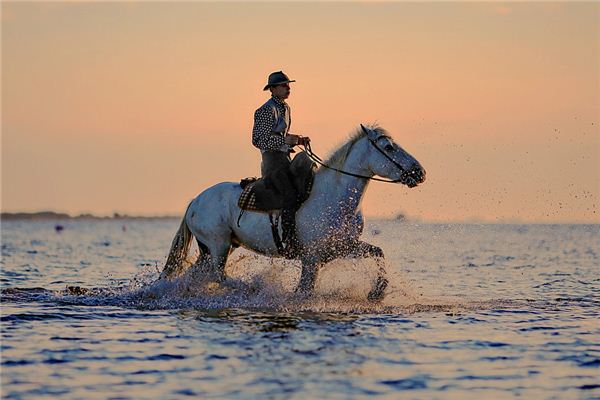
371 134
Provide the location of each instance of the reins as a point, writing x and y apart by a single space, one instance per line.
319 161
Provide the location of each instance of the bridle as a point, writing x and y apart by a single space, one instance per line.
319 161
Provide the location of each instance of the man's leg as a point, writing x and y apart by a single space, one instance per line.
277 171
288 214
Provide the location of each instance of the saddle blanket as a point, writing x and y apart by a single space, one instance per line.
258 195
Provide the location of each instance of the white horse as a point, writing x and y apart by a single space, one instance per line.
329 222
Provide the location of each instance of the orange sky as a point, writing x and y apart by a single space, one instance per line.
137 107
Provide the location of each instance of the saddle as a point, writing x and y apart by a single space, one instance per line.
259 195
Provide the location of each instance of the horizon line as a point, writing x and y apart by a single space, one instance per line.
400 216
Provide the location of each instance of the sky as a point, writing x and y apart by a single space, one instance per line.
136 107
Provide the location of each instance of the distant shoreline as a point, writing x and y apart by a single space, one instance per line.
51 216
56 216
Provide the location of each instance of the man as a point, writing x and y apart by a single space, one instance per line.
271 134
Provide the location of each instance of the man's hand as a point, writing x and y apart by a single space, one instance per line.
303 140
294 140
291 139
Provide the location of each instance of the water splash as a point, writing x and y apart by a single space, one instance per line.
259 283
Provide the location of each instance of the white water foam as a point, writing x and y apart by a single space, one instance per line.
257 282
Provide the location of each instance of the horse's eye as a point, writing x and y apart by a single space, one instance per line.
389 147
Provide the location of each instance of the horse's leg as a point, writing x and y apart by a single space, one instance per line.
203 260
308 277
208 222
219 252
364 250
379 285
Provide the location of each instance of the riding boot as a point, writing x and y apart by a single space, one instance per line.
289 237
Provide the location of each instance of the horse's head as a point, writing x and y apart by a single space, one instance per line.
391 161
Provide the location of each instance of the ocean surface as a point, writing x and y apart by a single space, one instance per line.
472 312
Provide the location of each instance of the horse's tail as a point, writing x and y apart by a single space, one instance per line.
177 257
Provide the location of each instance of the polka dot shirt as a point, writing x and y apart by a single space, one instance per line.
263 136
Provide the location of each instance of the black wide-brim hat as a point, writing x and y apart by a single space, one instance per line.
277 78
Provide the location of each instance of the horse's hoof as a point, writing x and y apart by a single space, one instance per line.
378 291
219 277
303 292
213 289
376 252
77 290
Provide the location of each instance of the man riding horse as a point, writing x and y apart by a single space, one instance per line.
271 134
330 219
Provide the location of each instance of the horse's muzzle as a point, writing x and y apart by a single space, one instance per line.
413 177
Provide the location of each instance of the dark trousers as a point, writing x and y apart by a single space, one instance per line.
277 173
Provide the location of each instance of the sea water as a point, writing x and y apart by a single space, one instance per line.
472 311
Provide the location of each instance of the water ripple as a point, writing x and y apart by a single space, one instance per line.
485 311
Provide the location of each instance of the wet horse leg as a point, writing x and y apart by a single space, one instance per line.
364 250
213 257
218 261
308 277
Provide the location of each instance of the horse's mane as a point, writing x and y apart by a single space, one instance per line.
338 157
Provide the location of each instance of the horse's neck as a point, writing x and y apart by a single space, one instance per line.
339 194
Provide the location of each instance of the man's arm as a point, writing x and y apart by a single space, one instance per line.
261 133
